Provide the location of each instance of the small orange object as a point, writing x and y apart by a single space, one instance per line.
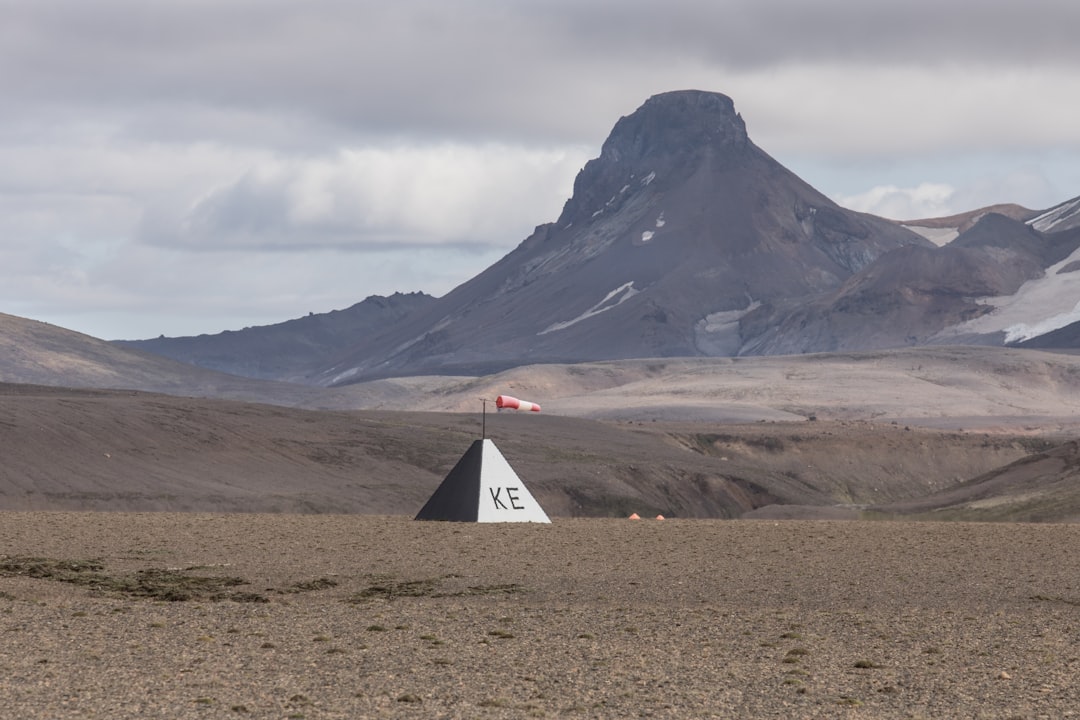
634 516
659 517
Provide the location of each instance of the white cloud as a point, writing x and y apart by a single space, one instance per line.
927 200
845 111
327 151
124 239
449 194
1025 186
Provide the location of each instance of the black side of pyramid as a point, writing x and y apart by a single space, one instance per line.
458 497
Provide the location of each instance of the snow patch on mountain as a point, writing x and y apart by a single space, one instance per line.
1023 331
718 333
351 372
1038 307
648 235
613 299
938 236
1060 217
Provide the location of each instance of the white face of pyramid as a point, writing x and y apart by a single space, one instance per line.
503 497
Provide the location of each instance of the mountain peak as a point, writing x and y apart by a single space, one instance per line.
674 123
666 138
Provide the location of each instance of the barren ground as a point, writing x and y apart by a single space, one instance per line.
345 616
124 614
123 451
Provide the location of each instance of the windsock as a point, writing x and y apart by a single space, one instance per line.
505 402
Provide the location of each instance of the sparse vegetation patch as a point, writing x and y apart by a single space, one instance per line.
387 589
152 583
1056 598
310 586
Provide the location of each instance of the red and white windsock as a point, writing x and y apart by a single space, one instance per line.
505 402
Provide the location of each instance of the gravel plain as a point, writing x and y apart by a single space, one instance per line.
160 615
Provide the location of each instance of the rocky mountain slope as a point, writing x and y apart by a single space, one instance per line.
917 295
676 231
291 350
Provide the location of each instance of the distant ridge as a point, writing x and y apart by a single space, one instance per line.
963 221
289 350
37 353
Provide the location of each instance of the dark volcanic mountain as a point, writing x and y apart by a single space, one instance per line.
910 295
683 238
678 229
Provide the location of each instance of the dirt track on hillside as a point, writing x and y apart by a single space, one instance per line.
349 616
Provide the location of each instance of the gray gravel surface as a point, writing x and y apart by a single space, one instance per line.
120 615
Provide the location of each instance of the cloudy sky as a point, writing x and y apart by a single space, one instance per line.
191 166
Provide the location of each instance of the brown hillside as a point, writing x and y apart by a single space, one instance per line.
113 450
963 221
1039 487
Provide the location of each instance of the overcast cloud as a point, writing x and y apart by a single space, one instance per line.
193 166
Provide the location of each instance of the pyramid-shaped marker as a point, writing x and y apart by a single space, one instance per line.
482 487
